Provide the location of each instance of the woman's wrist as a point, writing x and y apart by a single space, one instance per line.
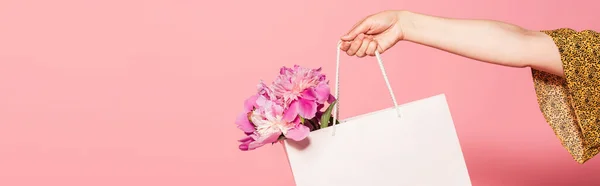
406 23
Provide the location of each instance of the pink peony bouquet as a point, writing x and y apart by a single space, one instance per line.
290 108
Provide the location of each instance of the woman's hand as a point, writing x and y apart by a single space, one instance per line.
378 32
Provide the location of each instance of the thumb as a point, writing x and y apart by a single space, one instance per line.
361 28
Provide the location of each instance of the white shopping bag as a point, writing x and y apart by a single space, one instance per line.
418 148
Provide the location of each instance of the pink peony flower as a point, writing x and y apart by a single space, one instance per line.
303 90
263 121
242 121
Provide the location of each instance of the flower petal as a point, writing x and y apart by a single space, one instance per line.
292 112
244 124
243 146
245 142
309 94
277 109
284 70
250 103
307 108
322 92
264 139
261 101
246 139
320 106
298 133
297 120
331 99
265 91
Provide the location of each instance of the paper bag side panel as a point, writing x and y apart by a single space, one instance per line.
420 148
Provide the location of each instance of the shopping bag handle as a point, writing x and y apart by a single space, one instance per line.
337 85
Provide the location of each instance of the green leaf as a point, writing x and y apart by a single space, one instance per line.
327 115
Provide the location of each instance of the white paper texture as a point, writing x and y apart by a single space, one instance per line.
420 148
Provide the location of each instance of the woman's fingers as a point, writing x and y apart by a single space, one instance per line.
361 52
371 48
361 46
355 45
346 45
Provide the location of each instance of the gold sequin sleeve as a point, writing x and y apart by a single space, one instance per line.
571 105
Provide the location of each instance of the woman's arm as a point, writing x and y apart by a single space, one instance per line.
569 103
484 40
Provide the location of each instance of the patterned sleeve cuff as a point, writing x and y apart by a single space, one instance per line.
570 104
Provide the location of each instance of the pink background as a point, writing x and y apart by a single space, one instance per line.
145 92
